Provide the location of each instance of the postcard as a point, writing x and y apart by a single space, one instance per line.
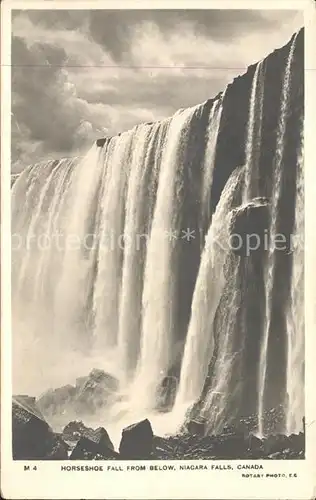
157 262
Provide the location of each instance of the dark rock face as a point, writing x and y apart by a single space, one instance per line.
32 437
234 120
29 434
100 142
250 224
137 441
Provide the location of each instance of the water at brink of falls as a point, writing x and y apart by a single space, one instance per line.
99 251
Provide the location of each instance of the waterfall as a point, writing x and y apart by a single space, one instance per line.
295 313
270 265
159 282
72 293
139 210
209 162
123 260
107 282
209 286
253 140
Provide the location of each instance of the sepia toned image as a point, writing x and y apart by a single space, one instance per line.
157 235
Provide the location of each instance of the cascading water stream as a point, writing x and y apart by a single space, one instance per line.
159 282
139 209
209 286
185 392
270 265
209 161
47 259
71 290
107 282
211 282
295 313
253 140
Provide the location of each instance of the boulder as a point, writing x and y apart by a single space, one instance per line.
275 443
31 434
254 443
137 441
74 431
58 449
196 427
86 449
249 226
92 444
296 442
32 437
255 447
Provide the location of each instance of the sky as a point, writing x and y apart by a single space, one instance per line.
78 75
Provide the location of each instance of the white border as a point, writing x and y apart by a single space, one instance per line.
48 481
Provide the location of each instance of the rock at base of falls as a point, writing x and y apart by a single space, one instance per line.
249 227
32 437
230 446
94 444
137 441
89 394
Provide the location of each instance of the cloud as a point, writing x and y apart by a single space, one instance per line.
48 116
115 29
79 75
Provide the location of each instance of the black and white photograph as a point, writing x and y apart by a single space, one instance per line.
155 251
157 197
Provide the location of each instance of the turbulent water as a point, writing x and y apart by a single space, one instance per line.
120 263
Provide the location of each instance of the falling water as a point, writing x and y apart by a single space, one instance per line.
159 283
209 286
270 266
71 291
253 141
211 282
104 287
295 314
139 208
107 283
210 156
